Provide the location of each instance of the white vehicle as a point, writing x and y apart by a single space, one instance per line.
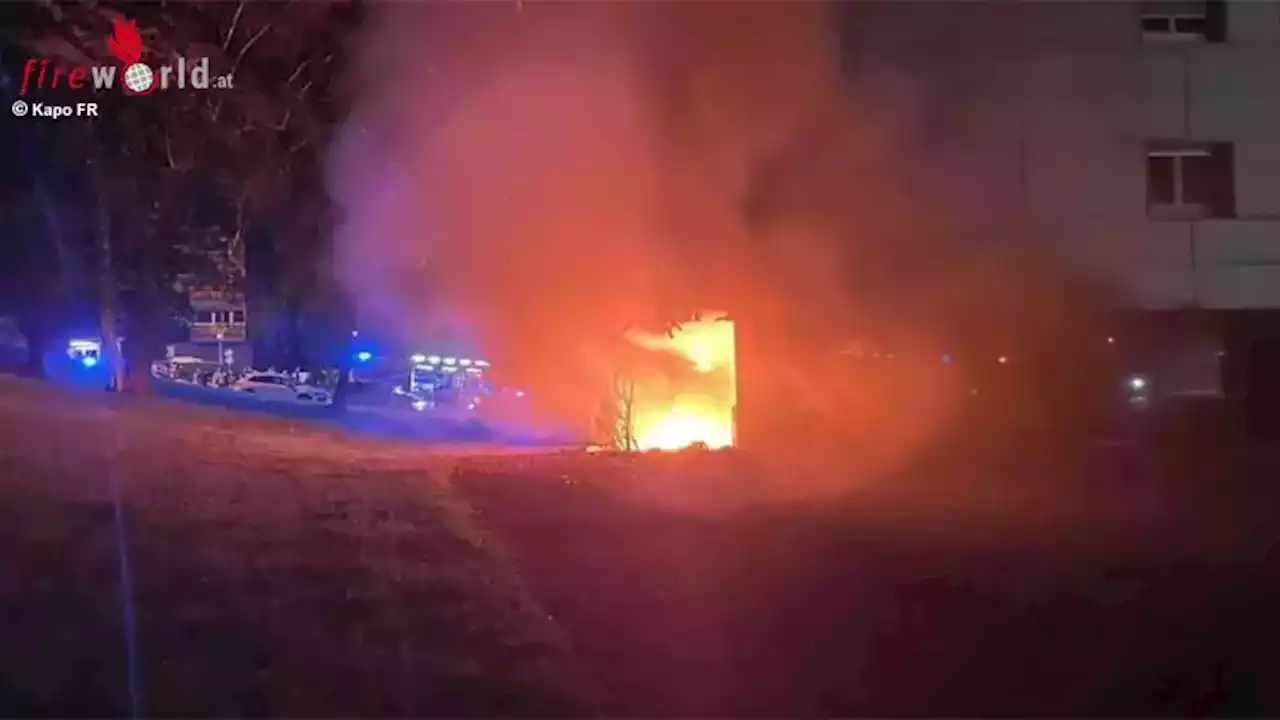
281 388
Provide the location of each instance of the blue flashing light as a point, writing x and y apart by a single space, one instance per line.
364 356
89 361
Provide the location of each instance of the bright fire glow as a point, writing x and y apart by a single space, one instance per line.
696 406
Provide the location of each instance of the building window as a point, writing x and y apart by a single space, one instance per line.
219 317
1184 20
1187 181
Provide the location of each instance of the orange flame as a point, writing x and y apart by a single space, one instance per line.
670 413
125 42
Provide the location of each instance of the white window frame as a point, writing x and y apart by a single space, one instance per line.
1179 208
219 318
1171 18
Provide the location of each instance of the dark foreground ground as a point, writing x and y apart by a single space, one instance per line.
287 571
1142 589
273 571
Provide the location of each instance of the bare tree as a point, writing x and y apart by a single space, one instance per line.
190 180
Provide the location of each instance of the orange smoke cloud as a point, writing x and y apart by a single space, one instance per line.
547 176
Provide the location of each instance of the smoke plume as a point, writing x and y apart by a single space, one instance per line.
538 178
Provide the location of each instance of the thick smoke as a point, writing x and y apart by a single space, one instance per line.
537 178
546 177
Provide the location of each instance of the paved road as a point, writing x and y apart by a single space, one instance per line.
370 418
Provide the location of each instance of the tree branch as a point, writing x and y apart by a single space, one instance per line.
231 32
216 107
298 71
240 57
168 149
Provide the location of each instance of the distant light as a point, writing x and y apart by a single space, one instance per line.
419 405
1111 341
1137 382
355 333
364 356
89 361
433 359
482 363
419 359
1003 359
948 359
464 362
450 361
471 406
84 345
519 393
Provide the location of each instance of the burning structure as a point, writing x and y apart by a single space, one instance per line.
680 390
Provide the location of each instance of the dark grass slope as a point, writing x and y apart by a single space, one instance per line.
1121 582
281 569
276 570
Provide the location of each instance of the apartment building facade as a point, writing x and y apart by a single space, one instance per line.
218 328
1188 103
1134 141
1139 139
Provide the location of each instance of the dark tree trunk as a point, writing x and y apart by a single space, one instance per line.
36 330
108 290
345 317
143 344
343 388
144 335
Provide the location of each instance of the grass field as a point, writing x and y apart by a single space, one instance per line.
277 571
288 570
1125 581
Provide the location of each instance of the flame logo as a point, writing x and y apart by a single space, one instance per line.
125 42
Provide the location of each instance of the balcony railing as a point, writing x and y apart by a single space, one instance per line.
216 297
210 333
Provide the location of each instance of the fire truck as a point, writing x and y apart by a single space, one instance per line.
443 382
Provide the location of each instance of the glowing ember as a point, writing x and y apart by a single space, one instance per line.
693 407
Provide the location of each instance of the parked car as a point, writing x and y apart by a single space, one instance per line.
281 388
